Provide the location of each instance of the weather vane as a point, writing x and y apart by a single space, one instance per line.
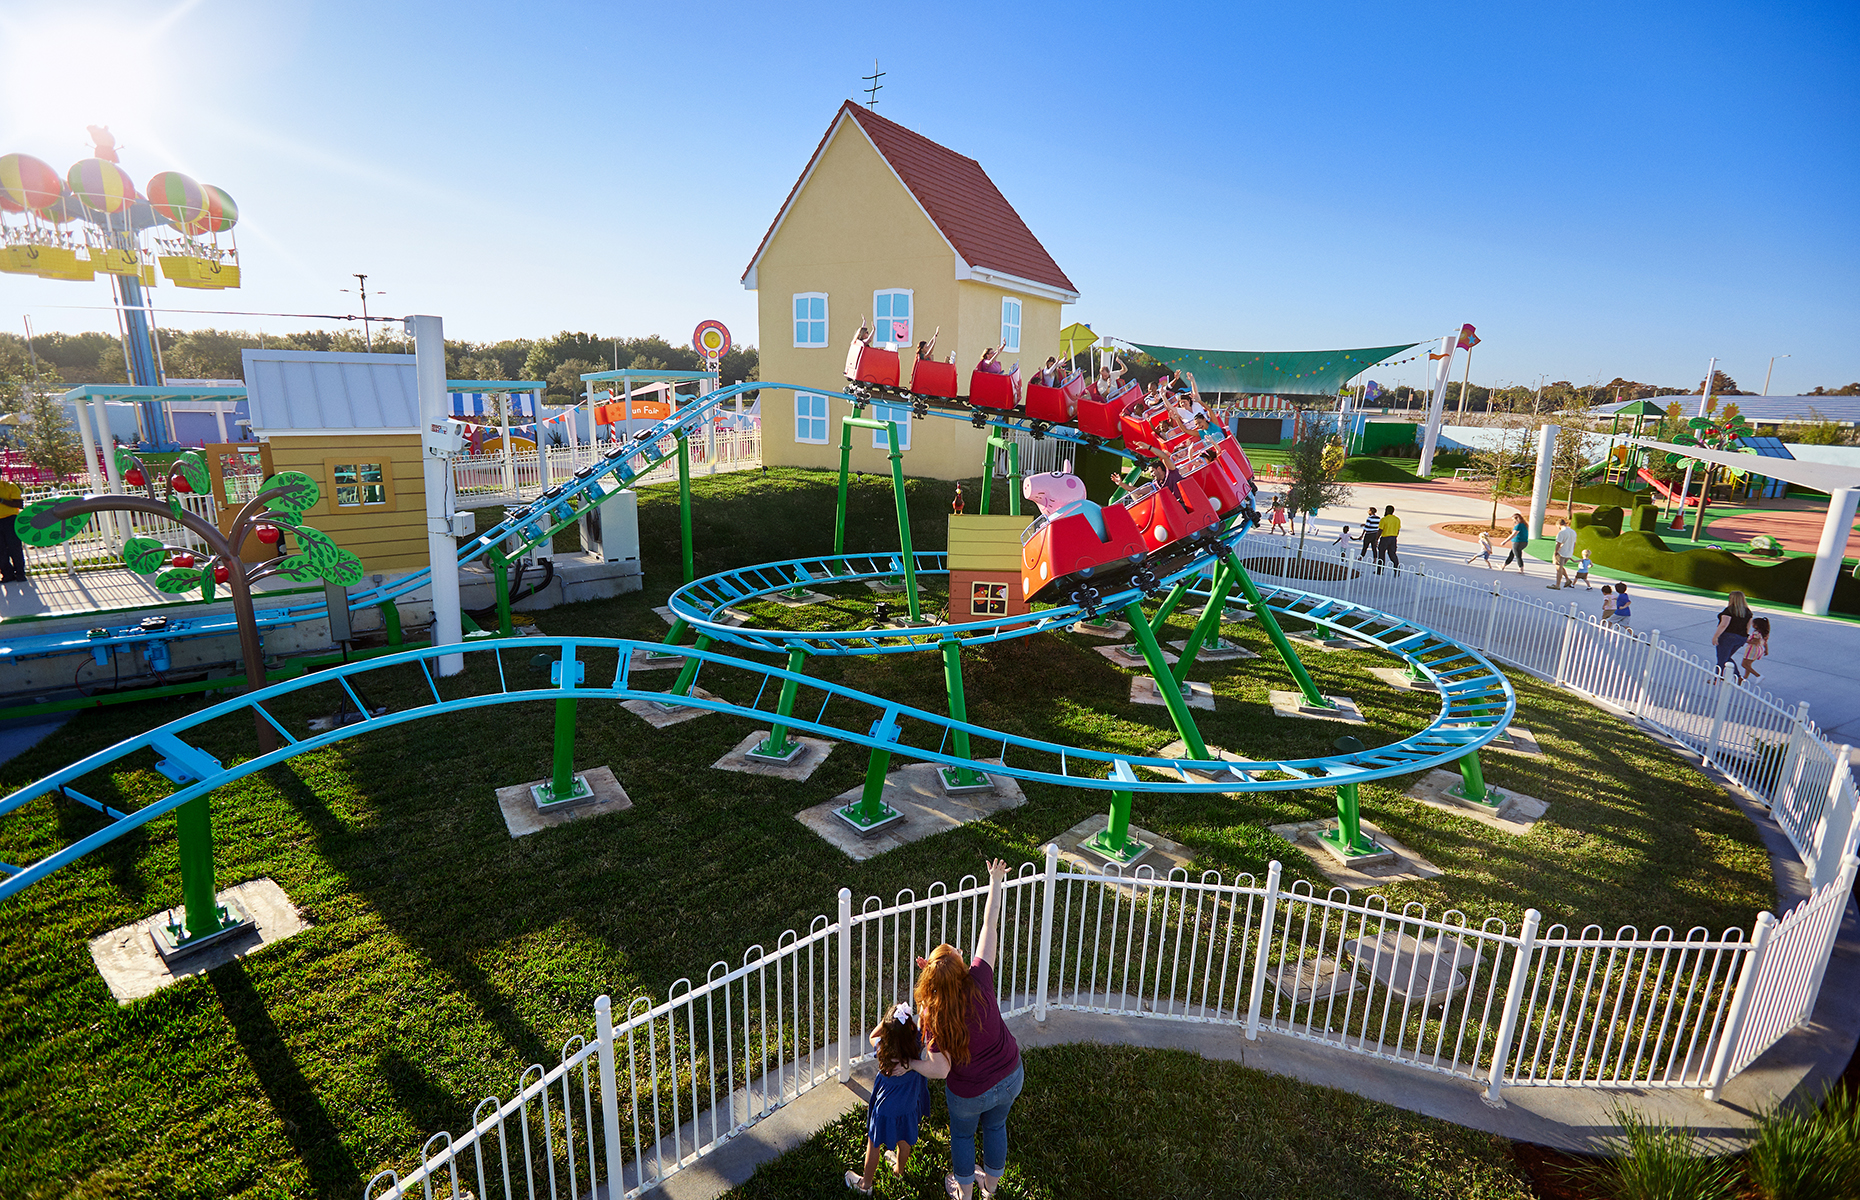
873 79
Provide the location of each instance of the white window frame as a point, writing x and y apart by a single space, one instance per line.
825 316
801 417
1011 345
899 414
881 331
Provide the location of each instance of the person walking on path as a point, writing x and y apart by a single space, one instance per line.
1485 549
1608 603
1520 538
1387 535
1733 630
1372 532
1279 524
1565 550
1344 539
1624 608
972 1050
1755 648
900 1098
12 552
1582 571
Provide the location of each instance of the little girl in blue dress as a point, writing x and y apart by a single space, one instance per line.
900 1097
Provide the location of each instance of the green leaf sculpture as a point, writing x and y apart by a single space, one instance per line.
193 468
37 526
296 567
125 461
144 556
300 495
318 546
346 571
181 579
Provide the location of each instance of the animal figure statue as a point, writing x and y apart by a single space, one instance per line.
1061 494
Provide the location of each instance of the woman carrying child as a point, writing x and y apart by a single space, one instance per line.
900 1098
971 1048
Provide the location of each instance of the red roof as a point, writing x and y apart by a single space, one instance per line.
962 202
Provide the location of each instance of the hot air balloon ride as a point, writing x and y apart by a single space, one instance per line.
110 202
199 213
32 243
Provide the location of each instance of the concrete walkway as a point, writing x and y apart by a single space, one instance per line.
1811 658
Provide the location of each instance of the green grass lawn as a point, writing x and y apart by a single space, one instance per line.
442 955
1115 1121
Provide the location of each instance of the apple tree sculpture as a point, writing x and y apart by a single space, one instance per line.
1718 429
275 512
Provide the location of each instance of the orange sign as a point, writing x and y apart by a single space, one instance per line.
643 410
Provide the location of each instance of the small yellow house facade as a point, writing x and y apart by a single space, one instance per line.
886 226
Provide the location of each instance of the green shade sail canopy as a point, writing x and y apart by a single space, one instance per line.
1286 373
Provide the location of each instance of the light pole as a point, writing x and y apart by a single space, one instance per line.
368 335
1772 371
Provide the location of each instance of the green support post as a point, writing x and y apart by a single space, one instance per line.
562 777
1306 686
988 474
872 809
688 673
1013 452
1348 839
839 518
1159 671
1472 787
672 637
1167 608
500 579
1133 477
194 835
956 779
684 505
1210 623
778 744
908 557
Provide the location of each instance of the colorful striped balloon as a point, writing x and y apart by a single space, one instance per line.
27 182
178 200
65 209
221 213
103 186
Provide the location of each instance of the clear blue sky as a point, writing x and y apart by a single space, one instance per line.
1601 189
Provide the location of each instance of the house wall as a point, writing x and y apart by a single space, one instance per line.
384 538
853 229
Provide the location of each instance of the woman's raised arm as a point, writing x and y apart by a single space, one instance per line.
991 915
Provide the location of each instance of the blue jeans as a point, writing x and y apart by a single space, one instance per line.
989 1111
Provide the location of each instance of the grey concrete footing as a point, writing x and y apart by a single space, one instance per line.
1514 813
1325 641
1406 866
522 817
1225 652
1108 629
646 660
725 616
132 967
1130 656
1515 739
1399 679
1214 773
889 589
916 791
1160 855
801 601
1292 704
656 714
809 753
1144 689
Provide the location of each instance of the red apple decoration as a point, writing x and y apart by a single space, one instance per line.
268 534
220 574
179 483
134 477
181 560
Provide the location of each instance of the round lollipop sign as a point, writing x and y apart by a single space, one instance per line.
711 340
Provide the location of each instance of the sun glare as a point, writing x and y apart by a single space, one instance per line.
45 104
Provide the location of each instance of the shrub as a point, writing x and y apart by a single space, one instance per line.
1643 553
1660 1162
1808 1155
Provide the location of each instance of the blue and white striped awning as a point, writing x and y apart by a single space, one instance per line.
484 404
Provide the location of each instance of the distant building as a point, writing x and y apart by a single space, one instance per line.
886 225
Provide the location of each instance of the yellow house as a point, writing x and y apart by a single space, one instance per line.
888 227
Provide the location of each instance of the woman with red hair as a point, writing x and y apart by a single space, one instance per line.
970 1048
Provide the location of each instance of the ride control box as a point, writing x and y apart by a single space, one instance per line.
610 527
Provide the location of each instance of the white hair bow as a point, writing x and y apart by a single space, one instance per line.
902 1014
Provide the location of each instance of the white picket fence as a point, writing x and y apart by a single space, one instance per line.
1495 1006
97 546
1769 748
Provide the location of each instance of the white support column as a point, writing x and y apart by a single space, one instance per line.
115 524
429 350
1430 437
842 1024
508 464
1540 483
91 470
1828 555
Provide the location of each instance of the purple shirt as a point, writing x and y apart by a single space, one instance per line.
993 1052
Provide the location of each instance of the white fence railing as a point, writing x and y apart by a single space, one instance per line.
98 546
1495 1006
1768 748
526 475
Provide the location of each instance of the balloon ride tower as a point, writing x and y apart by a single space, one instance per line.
92 221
